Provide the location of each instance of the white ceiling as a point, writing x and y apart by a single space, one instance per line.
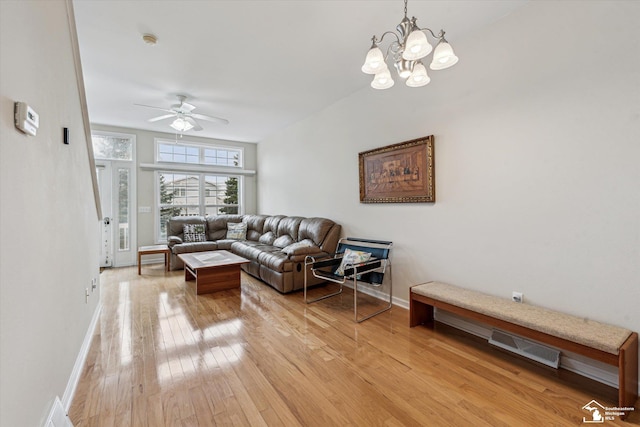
261 64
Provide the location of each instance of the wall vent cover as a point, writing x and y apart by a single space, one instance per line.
529 349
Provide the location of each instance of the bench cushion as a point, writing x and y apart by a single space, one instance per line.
583 331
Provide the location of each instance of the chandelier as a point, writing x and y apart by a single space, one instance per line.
407 51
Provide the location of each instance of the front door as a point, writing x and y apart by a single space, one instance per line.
115 162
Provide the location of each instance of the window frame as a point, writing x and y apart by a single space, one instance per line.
201 170
201 153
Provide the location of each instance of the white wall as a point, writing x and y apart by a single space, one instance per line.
537 142
48 219
145 152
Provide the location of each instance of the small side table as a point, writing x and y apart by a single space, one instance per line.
155 249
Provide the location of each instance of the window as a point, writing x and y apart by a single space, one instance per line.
197 154
195 194
195 179
112 146
124 229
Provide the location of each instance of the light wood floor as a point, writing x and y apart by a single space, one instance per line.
162 356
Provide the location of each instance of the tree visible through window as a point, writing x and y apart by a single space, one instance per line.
231 194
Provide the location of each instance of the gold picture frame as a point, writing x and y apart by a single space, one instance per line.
398 173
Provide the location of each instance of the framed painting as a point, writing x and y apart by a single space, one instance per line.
398 173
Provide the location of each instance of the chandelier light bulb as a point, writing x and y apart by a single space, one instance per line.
382 80
417 46
419 76
374 62
443 56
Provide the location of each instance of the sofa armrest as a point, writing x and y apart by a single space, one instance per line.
174 240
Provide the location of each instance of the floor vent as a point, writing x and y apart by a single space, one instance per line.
540 353
58 416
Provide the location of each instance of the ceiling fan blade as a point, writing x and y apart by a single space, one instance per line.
166 116
195 124
155 108
187 107
210 119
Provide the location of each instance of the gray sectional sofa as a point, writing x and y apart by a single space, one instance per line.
275 245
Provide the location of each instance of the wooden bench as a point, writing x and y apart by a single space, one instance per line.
609 344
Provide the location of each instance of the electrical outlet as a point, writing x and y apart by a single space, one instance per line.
517 296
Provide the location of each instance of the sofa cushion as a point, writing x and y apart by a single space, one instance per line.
255 226
237 230
267 238
306 246
217 225
283 241
289 227
193 233
315 229
271 224
275 259
247 249
194 247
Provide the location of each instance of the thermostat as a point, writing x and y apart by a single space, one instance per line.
27 120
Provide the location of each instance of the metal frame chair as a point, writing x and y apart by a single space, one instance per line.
369 273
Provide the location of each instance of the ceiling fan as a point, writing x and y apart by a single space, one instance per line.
184 115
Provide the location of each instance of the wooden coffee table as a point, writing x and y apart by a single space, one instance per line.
212 270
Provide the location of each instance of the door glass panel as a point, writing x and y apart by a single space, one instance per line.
112 147
124 232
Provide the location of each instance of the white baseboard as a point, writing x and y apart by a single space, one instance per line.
372 291
586 367
58 416
581 365
70 390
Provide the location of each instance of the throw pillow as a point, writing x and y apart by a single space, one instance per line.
237 230
352 258
194 233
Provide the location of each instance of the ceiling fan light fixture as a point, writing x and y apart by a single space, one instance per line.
181 125
182 116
